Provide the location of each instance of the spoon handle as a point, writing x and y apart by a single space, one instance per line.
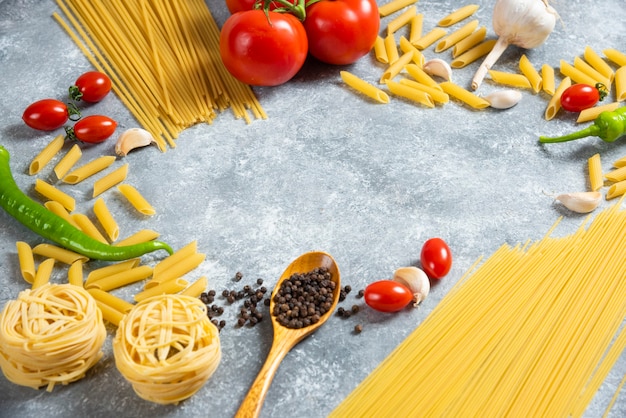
253 402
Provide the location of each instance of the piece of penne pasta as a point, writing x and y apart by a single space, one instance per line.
510 79
421 76
473 54
43 273
575 74
89 169
177 270
592 113
84 224
554 105
111 269
111 300
429 38
58 209
138 237
380 52
394 6
547 77
75 273
46 155
617 175
594 167
177 257
458 15
616 190
406 46
401 20
455 37
109 314
52 193
583 66
26 261
471 41
410 93
364 87
600 65
111 179
59 254
620 84
464 95
120 279
615 56
196 288
166 288
620 162
68 161
531 74
392 48
136 199
395 68
104 216
437 95
417 26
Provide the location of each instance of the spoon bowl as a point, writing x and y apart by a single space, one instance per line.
286 338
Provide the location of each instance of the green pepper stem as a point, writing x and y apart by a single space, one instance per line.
592 130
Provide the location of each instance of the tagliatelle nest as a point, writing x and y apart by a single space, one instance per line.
49 335
167 348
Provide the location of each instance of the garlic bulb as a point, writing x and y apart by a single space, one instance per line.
416 280
133 138
580 202
524 23
504 99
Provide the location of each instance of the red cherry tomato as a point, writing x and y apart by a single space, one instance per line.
436 258
341 31
261 53
387 296
580 97
91 87
46 115
92 129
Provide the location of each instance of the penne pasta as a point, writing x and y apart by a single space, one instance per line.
458 15
598 63
471 41
616 190
75 273
594 166
592 113
59 254
196 288
616 175
177 270
547 76
109 314
406 46
581 65
394 6
391 48
417 25
111 269
421 76
455 37
166 288
620 84
531 74
178 256
46 154
620 163
84 224
364 87
395 68
105 218
615 56
43 273
429 38
26 261
464 95
510 79
68 161
136 199
89 169
138 237
473 54
120 279
575 74
401 20
554 105
58 209
436 94
52 193
380 52
111 300
410 93
113 178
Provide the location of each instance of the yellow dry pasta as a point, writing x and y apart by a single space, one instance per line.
136 199
394 6
455 37
620 84
583 66
109 314
594 167
380 52
620 162
403 90
111 179
592 113
547 77
406 46
59 254
421 76
52 193
169 287
58 209
89 169
111 269
615 56
364 87
436 94
83 223
395 68
616 175
106 220
464 95
554 105
111 300
473 54
469 42
510 79
529 71
46 155
391 48
616 190
69 160
417 25
120 279
177 270
429 38
26 261
576 75
598 63
177 257
138 237
75 274
401 20
196 288
43 273
458 15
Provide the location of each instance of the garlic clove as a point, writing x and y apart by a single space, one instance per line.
439 68
504 99
415 279
133 138
580 202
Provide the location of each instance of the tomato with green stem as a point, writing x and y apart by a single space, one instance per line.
580 96
49 114
436 258
387 296
91 87
92 129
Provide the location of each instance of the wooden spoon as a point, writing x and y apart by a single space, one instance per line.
286 338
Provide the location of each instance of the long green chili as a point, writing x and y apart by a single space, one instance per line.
608 126
49 225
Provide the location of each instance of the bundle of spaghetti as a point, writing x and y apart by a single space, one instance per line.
167 348
163 60
50 335
532 331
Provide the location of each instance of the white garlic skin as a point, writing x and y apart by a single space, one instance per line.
439 68
524 23
416 280
580 202
504 99
132 138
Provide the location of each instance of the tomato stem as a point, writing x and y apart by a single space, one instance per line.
73 113
70 135
298 9
602 90
74 93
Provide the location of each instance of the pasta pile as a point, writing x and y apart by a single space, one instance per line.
533 331
163 61
50 335
167 348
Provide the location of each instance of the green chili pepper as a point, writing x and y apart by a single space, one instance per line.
608 126
53 227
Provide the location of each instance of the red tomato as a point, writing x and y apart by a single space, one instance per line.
261 53
579 97
387 296
341 31
436 258
46 115
93 129
91 87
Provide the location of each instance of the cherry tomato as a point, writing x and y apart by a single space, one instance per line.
46 115
92 129
580 97
91 87
436 258
261 53
387 296
341 31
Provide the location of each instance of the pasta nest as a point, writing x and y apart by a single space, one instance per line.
167 348
49 335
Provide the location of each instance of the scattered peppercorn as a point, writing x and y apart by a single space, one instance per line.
361 293
358 328
238 276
